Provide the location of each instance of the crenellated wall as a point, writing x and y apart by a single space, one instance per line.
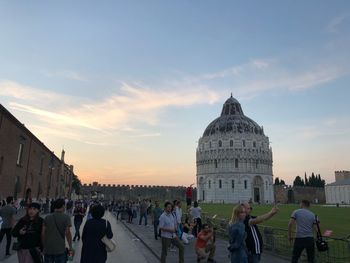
135 192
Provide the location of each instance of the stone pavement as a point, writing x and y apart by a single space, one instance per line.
129 249
146 236
136 244
19 214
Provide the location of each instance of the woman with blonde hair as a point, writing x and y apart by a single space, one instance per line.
237 235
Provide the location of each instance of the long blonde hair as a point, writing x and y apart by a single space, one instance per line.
235 213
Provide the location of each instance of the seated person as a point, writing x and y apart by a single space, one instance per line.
186 236
205 246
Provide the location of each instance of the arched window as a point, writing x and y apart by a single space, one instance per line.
209 144
220 143
236 163
254 144
216 163
266 183
231 143
233 184
245 184
209 184
220 183
243 143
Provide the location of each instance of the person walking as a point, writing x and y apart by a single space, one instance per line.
78 213
28 232
254 240
168 227
156 213
143 211
305 221
237 235
56 230
195 213
7 213
178 215
94 250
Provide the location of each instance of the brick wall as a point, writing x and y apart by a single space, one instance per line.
38 172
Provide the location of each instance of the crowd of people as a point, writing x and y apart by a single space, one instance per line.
44 238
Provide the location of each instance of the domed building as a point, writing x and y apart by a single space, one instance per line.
234 159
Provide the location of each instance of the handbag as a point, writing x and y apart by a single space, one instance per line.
16 246
109 243
321 244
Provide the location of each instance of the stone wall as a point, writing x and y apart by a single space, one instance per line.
134 192
287 194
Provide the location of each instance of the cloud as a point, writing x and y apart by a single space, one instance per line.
66 74
334 24
136 110
122 112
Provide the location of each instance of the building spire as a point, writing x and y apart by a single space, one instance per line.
231 95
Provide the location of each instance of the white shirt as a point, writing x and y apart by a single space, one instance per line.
178 213
195 212
167 221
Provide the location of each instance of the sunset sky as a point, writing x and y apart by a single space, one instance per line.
128 87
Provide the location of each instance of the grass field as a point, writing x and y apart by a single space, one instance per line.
333 218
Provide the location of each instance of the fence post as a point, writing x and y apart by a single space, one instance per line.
269 238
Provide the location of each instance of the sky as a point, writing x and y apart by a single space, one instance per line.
128 87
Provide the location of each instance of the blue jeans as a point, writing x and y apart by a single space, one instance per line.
254 258
141 216
155 226
77 225
62 258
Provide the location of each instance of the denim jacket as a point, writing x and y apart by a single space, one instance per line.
237 247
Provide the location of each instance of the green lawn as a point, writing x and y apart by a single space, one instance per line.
336 219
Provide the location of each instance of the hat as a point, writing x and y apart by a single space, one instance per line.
34 205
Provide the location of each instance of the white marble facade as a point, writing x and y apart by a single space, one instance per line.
234 159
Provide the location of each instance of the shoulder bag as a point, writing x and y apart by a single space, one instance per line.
63 236
321 244
109 243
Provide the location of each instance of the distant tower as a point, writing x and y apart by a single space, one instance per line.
62 155
234 159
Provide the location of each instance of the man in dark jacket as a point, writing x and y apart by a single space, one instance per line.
254 240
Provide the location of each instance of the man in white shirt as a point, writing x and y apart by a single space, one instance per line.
168 227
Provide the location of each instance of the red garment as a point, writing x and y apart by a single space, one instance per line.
201 243
189 192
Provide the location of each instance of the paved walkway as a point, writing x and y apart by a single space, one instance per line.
129 249
145 234
136 244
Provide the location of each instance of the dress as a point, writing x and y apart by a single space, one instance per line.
93 250
237 247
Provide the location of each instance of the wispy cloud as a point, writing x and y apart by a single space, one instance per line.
136 110
66 74
335 23
123 111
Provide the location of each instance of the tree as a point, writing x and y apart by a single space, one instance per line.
282 182
277 181
306 181
76 184
298 181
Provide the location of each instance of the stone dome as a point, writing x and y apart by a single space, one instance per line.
232 120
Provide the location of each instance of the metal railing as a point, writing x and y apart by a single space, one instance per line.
276 241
